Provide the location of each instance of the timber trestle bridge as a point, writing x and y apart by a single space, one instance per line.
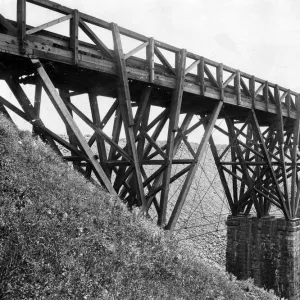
264 154
259 166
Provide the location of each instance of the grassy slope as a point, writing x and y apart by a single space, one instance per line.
63 238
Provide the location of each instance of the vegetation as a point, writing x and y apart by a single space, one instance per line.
63 238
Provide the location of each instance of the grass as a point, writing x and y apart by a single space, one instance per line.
63 238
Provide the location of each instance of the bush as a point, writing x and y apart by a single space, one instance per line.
63 238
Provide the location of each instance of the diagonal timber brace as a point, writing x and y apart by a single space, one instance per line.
188 181
68 120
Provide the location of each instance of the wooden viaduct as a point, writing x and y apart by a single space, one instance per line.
262 118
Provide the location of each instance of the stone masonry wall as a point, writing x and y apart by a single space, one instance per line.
266 249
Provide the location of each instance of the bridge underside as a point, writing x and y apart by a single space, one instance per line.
258 168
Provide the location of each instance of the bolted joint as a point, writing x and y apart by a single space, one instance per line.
36 64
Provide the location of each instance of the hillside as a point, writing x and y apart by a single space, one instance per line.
63 238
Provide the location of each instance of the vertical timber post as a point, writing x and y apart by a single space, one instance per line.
126 109
74 23
21 24
173 128
100 142
37 103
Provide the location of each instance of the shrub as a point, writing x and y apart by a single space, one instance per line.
63 238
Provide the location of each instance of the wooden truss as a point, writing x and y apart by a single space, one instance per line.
263 165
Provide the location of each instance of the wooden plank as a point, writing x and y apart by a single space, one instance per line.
210 76
186 122
52 6
104 121
233 139
156 189
49 24
37 103
162 115
124 176
90 33
142 107
100 141
107 66
271 96
247 179
99 131
237 86
38 98
154 145
74 22
67 118
150 60
115 136
21 24
224 182
124 99
190 176
192 66
126 110
252 91
229 79
109 113
163 60
244 87
141 120
220 81
260 88
285 210
64 94
200 75
173 128
135 50
192 128
188 145
266 95
153 176
296 138
155 135
280 133
283 96
163 162
288 102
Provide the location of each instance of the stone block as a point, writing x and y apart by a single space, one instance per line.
268 250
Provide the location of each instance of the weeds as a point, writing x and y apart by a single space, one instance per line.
63 238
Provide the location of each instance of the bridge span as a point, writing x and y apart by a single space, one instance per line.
258 168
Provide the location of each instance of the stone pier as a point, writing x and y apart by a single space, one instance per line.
266 249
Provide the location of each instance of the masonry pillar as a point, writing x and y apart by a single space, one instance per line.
266 249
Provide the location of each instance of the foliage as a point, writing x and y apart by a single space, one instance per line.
63 238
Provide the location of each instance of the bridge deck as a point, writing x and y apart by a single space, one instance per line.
95 70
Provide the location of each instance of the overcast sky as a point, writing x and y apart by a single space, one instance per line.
260 37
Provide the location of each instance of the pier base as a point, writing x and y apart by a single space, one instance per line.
267 250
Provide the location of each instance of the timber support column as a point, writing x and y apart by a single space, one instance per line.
266 249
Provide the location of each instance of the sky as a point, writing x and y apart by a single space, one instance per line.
259 37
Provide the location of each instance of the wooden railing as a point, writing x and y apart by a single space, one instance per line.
203 76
